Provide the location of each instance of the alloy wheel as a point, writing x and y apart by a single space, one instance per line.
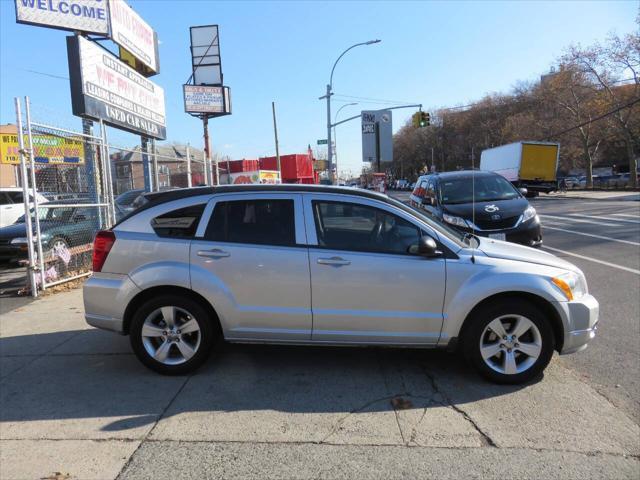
510 344
171 335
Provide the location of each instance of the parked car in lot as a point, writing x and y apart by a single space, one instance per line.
494 208
12 204
61 227
124 203
317 265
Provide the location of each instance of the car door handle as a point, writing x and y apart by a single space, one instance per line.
214 253
333 261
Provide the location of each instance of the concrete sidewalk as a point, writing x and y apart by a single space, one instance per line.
75 400
595 195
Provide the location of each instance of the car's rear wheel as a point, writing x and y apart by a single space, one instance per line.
510 342
172 335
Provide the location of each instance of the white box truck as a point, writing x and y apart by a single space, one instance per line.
530 165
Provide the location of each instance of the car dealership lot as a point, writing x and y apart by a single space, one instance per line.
75 400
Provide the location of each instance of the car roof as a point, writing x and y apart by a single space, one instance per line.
158 198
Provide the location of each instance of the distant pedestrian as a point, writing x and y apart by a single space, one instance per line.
562 186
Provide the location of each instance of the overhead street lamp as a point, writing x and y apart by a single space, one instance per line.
335 136
328 97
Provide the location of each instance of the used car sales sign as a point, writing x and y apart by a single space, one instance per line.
104 88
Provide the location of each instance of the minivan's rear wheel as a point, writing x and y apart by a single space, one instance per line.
510 342
172 335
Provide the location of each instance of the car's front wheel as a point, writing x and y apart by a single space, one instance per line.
172 335
510 342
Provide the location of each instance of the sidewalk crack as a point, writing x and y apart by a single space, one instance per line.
486 439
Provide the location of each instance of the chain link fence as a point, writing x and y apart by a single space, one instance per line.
73 184
66 191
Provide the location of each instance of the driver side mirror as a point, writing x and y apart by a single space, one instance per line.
523 191
426 247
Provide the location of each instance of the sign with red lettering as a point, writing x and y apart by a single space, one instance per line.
132 33
104 88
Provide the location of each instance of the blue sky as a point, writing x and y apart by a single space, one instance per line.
434 53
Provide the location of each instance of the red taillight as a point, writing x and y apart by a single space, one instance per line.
101 246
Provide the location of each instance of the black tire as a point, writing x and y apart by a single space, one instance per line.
470 341
209 334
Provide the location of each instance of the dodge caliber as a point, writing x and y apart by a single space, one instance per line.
314 265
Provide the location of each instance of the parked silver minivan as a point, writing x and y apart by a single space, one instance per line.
296 264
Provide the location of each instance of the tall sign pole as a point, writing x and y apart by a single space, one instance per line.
206 97
207 152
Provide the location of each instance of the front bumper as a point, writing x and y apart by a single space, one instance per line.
13 252
527 233
583 320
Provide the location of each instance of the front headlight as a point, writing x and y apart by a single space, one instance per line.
528 214
571 284
457 221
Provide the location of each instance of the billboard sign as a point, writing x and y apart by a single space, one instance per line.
256 176
89 16
205 55
133 34
377 136
47 149
206 100
104 88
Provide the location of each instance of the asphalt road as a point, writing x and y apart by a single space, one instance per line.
603 239
74 400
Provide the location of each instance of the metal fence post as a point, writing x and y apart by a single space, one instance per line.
25 194
146 166
32 166
106 166
189 181
156 174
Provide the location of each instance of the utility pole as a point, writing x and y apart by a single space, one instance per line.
275 134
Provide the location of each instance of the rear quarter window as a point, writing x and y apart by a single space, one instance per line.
181 223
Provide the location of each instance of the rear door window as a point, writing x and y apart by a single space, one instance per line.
181 223
260 222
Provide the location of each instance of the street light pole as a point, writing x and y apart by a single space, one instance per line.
335 135
328 97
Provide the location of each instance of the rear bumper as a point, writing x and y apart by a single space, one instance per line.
583 318
106 297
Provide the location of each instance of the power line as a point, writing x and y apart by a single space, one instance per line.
377 100
592 120
45 74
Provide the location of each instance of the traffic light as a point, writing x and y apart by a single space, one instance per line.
425 119
420 119
415 119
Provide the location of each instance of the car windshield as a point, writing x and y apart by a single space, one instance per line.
127 198
488 188
54 214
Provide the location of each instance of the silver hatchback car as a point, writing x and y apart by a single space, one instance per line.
295 264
